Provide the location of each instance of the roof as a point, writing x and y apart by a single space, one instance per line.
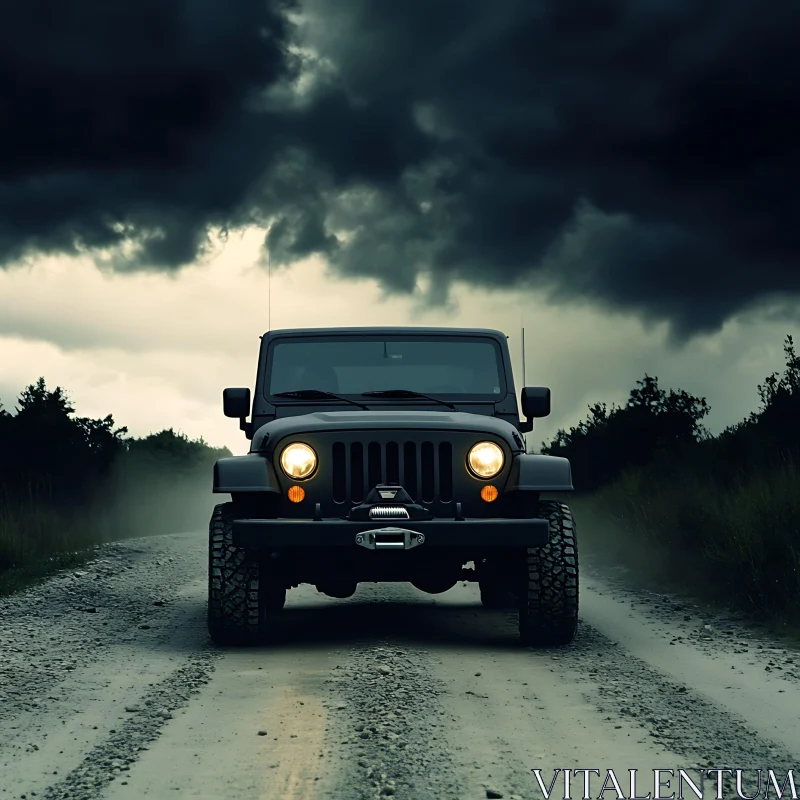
389 330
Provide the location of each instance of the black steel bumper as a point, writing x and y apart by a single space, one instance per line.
260 534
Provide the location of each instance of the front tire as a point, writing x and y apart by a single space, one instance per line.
548 609
241 597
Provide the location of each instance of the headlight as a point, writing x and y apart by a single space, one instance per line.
485 460
298 461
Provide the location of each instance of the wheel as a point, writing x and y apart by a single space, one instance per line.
548 608
494 596
241 596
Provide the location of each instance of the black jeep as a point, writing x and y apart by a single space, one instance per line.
389 454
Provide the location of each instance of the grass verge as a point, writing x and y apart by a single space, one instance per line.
37 540
734 540
23 577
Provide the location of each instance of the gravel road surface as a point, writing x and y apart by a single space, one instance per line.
109 688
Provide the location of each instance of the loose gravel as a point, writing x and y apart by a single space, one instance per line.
404 695
394 731
671 714
113 757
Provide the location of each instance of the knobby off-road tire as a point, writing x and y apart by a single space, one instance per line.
241 595
548 612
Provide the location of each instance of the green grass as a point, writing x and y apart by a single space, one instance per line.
23 577
734 540
37 540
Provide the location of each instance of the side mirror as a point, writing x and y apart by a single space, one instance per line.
236 403
535 402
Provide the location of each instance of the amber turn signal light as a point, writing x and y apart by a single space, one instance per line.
489 494
296 493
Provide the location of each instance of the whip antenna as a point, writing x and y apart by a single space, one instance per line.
524 384
269 289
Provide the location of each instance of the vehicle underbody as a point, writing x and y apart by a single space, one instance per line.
337 573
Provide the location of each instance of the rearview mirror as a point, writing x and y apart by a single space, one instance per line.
535 402
236 403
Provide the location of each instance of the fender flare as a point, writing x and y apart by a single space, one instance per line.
538 473
250 473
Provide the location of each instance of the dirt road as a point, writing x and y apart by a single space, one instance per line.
109 689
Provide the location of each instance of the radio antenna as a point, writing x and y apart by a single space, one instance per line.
524 384
269 289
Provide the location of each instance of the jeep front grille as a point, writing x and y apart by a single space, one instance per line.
424 470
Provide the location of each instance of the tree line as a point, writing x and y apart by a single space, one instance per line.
720 514
67 479
656 425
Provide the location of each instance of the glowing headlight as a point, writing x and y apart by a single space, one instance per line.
485 460
298 461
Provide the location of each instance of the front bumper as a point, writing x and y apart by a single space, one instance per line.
269 534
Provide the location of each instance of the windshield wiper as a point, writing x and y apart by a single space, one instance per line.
407 393
302 394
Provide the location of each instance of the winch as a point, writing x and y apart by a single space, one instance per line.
388 501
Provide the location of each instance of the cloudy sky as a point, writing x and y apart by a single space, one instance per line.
618 175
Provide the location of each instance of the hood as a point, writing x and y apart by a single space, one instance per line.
385 420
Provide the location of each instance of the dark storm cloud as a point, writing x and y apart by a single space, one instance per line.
641 154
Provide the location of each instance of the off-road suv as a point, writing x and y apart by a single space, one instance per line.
389 454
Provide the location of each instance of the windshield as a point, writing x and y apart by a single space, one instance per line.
350 366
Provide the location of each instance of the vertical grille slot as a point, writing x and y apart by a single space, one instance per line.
445 472
392 463
428 473
339 470
410 469
374 465
357 472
